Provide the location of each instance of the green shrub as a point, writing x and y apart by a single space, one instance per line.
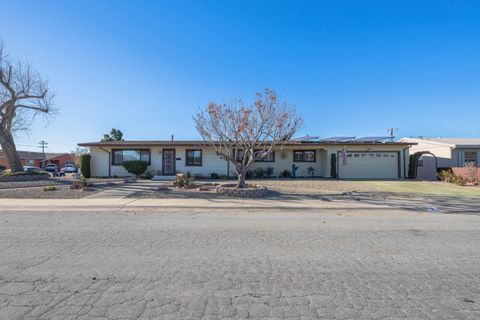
8 173
259 173
147 175
214 175
85 165
269 172
285 174
79 184
136 167
333 165
182 181
445 175
2 168
49 188
249 174
224 177
458 180
411 167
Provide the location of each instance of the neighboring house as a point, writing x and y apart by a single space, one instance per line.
365 158
443 153
38 159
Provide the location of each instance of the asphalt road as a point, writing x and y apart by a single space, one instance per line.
192 264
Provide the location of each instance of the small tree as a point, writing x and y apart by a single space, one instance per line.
114 135
23 96
240 133
470 172
136 167
85 165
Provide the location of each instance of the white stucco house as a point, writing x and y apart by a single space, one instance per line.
363 158
443 153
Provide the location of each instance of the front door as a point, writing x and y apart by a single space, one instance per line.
168 162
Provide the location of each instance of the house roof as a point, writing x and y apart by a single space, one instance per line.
452 142
156 143
32 155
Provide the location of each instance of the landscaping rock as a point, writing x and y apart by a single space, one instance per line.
252 191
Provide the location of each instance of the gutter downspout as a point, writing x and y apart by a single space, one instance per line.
109 161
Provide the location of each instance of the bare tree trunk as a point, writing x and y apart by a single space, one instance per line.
241 179
8 146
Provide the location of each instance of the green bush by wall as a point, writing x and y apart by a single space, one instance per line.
85 165
333 165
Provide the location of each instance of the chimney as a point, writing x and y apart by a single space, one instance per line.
172 137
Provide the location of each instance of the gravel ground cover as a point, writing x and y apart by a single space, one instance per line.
277 189
60 192
34 189
37 183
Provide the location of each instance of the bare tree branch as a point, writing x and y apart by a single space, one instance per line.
23 96
253 130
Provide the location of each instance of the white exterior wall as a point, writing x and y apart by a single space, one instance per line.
212 164
366 148
284 161
442 151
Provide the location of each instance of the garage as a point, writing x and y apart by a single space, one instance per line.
369 165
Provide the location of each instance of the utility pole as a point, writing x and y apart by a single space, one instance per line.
43 145
391 131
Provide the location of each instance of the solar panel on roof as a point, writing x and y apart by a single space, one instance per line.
336 139
372 139
305 138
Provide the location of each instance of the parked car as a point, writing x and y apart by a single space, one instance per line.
69 168
51 168
32 168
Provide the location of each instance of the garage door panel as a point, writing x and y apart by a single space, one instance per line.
369 165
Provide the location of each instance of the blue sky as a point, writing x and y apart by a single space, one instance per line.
350 67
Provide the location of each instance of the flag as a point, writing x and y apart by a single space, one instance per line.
343 154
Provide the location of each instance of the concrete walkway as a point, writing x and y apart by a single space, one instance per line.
128 189
125 204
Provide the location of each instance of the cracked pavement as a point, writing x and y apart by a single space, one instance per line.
239 264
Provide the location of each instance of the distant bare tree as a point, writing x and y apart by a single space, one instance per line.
23 96
241 133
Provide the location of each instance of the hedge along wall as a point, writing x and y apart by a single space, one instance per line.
85 165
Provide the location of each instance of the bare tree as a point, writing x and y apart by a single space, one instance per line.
241 133
23 96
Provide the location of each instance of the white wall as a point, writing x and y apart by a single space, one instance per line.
213 164
440 150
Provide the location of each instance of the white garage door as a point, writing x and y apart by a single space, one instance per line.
369 165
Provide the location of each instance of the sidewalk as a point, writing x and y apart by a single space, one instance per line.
90 204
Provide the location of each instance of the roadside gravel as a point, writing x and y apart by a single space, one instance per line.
61 192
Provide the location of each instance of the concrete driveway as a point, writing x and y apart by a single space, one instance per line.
331 262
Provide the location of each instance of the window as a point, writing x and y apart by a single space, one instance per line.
304 156
470 157
119 156
193 158
261 156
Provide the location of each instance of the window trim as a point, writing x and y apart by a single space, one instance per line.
193 164
263 159
140 150
475 160
310 150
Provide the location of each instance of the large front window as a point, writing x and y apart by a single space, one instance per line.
264 156
471 157
193 158
304 156
119 156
